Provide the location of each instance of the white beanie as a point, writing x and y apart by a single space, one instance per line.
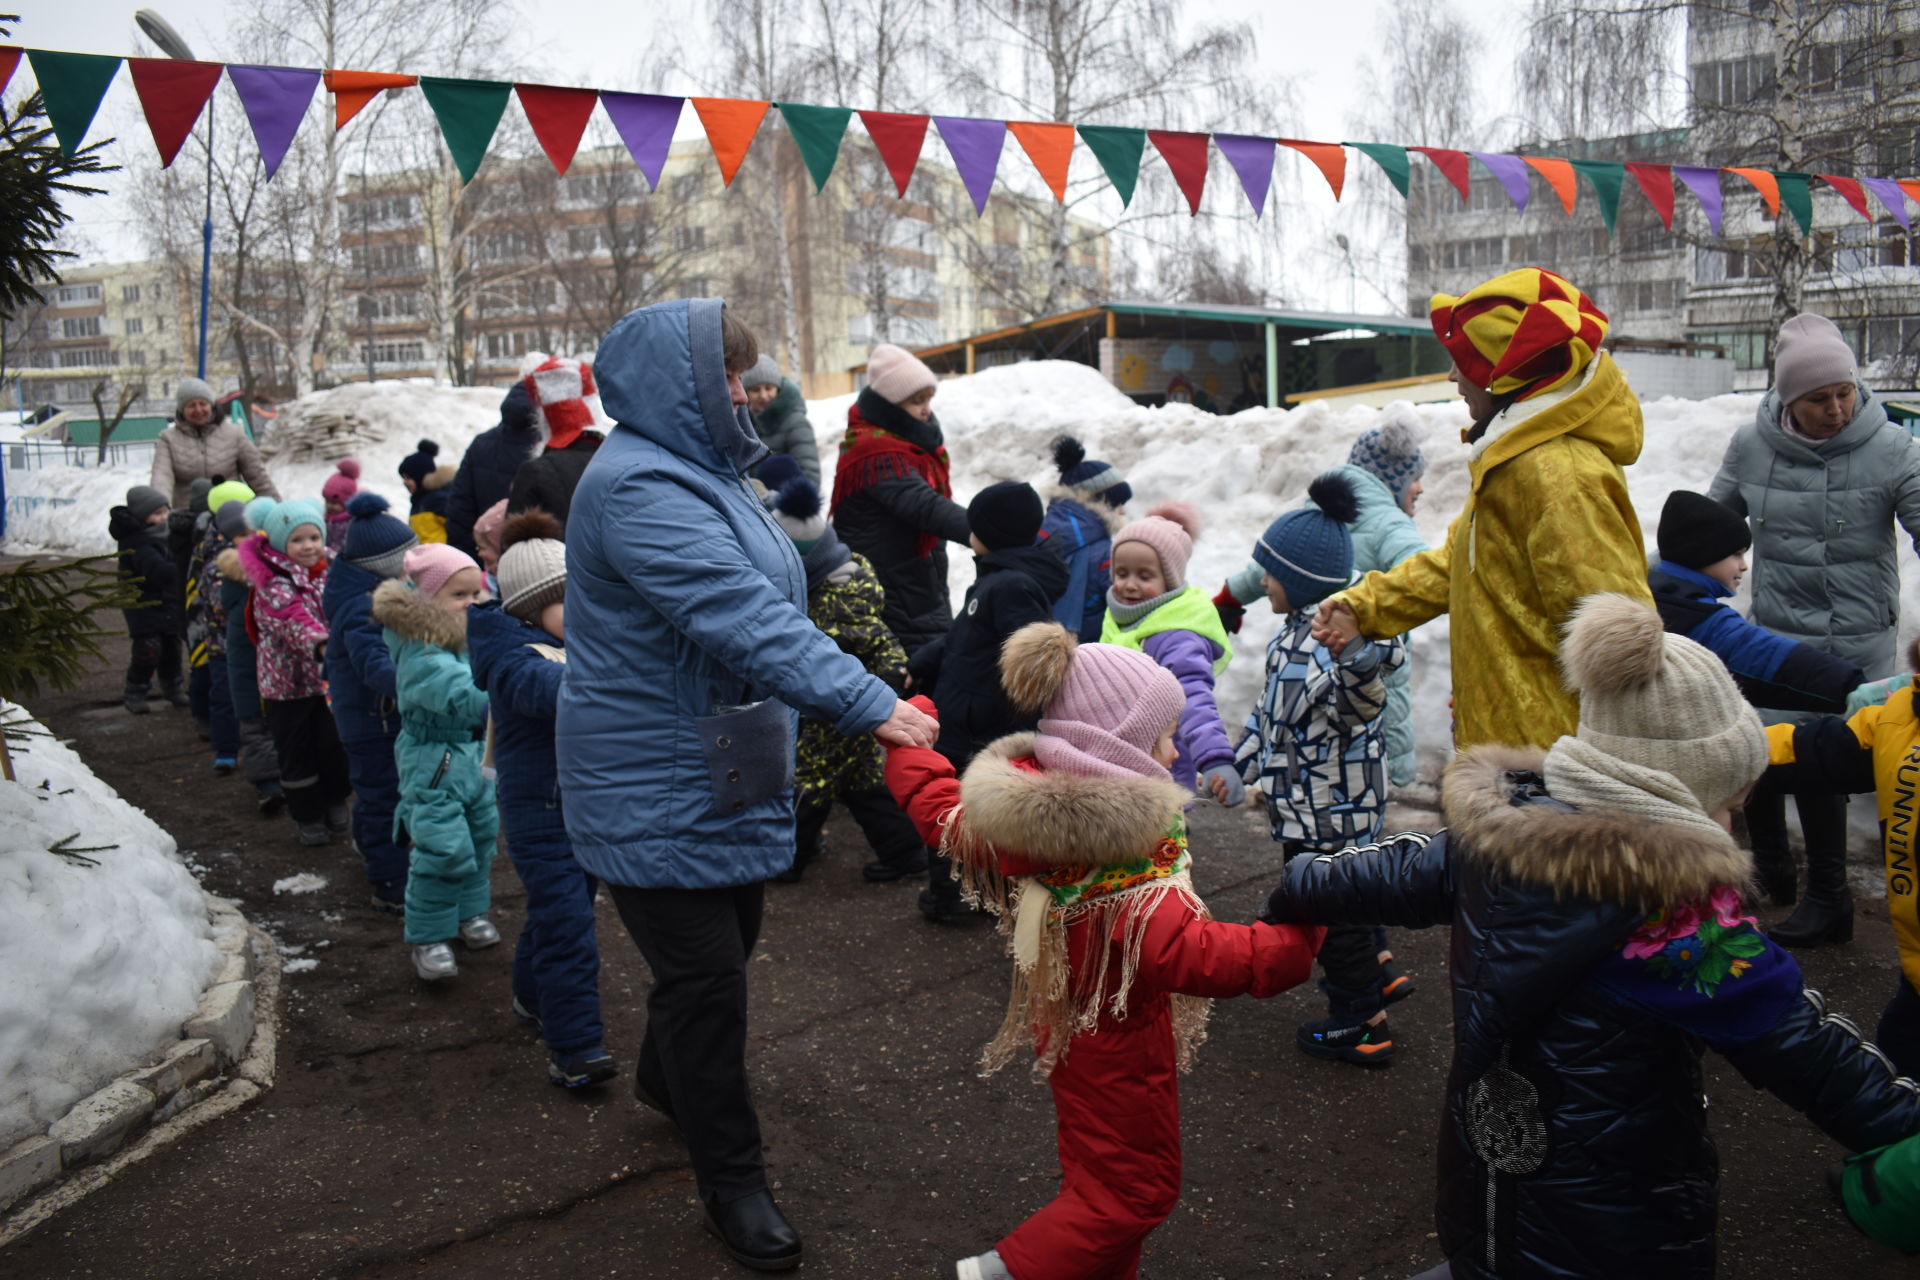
532 575
895 374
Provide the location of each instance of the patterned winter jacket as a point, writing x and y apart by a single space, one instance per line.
283 619
846 603
206 612
1313 742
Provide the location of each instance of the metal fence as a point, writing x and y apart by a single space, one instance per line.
36 455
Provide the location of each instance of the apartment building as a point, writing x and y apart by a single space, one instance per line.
110 326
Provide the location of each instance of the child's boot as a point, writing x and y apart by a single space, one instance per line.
272 800
579 1068
434 962
478 933
175 691
313 833
135 698
339 820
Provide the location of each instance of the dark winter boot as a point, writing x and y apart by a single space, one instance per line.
1774 872
135 698
175 691
1826 913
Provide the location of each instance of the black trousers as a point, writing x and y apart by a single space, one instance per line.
889 832
1349 960
1823 822
154 655
1899 1032
694 1054
313 764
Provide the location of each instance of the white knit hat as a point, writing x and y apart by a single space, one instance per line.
532 572
894 373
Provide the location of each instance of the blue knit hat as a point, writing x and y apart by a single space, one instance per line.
420 464
1391 453
1309 552
279 523
256 511
1098 480
376 541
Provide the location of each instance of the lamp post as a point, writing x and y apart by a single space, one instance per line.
157 30
1346 249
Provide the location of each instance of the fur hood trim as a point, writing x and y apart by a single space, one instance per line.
401 609
228 565
256 557
439 478
1064 819
1607 857
1114 521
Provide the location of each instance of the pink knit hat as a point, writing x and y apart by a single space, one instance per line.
343 483
895 374
1169 528
1102 707
486 530
430 564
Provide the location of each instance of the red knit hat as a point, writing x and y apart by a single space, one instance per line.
1527 331
559 388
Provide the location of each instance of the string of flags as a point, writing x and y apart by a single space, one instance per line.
173 94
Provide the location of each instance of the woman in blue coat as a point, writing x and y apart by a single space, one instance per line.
689 656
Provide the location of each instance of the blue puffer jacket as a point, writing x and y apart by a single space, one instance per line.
1772 671
688 645
359 666
1081 534
523 688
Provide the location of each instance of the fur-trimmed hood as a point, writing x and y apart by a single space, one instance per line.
439 478
1605 856
401 609
260 564
1114 521
1064 819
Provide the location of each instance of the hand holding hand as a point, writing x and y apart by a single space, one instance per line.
908 726
1224 785
1335 626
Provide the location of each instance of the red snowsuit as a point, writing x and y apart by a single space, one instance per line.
1115 1091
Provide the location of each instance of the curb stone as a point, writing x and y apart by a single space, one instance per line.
224 1059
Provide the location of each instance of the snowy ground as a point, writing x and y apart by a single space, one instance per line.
102 962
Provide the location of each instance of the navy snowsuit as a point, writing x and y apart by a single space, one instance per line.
361 689
1082 537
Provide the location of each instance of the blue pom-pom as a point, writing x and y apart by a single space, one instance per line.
1333 494
365 505
799 499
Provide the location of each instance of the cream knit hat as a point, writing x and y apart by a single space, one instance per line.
895 373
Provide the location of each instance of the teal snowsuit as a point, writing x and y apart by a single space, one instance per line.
446 805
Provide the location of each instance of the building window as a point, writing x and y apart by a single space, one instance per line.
1749 350
134 324
686 187
396 353
80 327
83 357
129 293
687 239
72 294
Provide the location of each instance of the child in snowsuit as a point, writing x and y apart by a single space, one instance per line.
207 620
446 805
140 530
518 646
337 492
1075 837
432 488
1151 608
1315 748
844 601
258 763
360 679
1598 946
1083 514
286 564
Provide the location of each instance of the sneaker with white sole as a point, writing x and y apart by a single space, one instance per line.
478 933
433 962
985 1266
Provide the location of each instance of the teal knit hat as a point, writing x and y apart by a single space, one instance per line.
257 509
279 523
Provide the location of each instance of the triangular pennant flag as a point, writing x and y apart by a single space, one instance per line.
1607 177
468 111
1911 186
975 147
1765 183
898 139
1656 182
1252 159
730 124
645 122
9 59
1186 156
173 93
1560 176
1330 159
1704 182
1118 150
1512 173
353 90
1050 147
1389 157
1888 193
1797 191
1451 163
559 118
817 132
275 100
1850 190
71 85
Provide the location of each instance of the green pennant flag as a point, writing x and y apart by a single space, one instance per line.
1118 150
1797 194
72 84
469 111
1389 157
817 132
1607 177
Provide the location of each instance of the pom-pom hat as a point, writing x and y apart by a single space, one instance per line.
1101 481
285 517
533 564
1169 528
1309 552
559 388
796 509
420 464
342 484
1102 707
376 541
1391 454
228 491
431 564
1521 333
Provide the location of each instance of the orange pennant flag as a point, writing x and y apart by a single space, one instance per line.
353 90
1764 183
1559 175
730 124
1328 157
1911 186
1050 147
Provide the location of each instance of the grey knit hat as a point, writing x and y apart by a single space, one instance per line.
143 500
532 574
190 389
764 373
1811 354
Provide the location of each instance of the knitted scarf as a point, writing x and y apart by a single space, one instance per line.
872 452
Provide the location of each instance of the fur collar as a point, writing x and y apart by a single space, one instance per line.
229 566
1064 819
1608 857
439 478
261 563
401 609
1114 521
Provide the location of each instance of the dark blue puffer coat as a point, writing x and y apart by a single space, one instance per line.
489 465
359 668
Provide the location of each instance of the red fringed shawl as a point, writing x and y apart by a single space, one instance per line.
870 454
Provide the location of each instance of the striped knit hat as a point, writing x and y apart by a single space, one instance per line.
1523 333
1101 481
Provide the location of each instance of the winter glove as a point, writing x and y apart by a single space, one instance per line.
1236 790
1231 610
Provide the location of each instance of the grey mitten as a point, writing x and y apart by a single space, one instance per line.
1236 789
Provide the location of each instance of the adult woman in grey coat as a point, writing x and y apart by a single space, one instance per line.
1822 475
200 445
780 415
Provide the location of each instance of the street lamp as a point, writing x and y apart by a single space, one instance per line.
157 30
1346 248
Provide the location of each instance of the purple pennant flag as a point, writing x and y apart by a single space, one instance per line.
1252 159
1512 172
276 101
1891 196
1704 182
975 148
646 122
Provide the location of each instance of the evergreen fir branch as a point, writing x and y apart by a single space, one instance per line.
77 854
49 627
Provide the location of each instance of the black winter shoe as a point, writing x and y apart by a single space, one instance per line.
938 908
887 870
1343 1040
176 693
135 699
755 1232
581 1068
1773 871
1825 914
272 802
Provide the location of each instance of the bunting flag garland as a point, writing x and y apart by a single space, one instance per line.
275 100
1118 149
1050 147
468 111
1656 183
1560 176
1252 160
975 146
173 93
645 122
1765 184
1607 178
730 124
898 138
1704 182
1186 157
1512 173
1331 160
72 85
1888 193
9 59
1451 163
559 118
1850 191
353 90
817 132
1911 186
1390 158
1797 194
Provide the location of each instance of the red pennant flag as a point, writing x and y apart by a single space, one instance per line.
1050 147
1766 184
353 90
1451 163
1656 180
898 138
1186 156
1560 176
1328 157
1850 190
730 124
559 117
9 59
172 93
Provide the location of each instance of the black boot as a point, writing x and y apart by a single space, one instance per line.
755 1232
1826 913
135 698
175 691
1773 871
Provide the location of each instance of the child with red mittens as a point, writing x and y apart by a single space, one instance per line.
1075 837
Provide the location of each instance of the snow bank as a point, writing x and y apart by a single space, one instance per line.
102 963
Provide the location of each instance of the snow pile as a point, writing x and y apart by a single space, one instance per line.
102 962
